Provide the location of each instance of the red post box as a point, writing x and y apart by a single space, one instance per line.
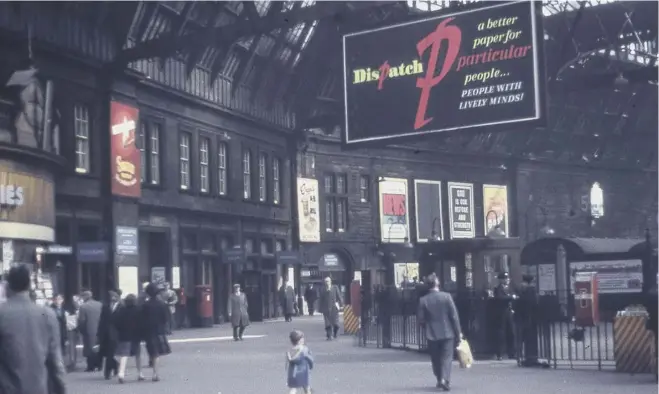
586 299
356 297
204 295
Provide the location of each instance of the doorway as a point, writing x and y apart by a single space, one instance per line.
253 293
157 257
93 276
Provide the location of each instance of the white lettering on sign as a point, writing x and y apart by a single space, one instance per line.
125 129
11 195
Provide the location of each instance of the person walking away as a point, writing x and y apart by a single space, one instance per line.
30 349
58 307
171 299
329 304
238 312
129 324
141 300
89 317
155 314
72 310
310 296
287 301
107 335
299 364
503 317
438 314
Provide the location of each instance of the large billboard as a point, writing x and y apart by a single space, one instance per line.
125 155
474 69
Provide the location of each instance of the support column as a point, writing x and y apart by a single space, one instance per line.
120 183
295 231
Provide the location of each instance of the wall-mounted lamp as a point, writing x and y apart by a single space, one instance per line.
406 240
545 230
496 231
434 234
407 243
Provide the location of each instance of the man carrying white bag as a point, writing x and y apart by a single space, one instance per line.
438 314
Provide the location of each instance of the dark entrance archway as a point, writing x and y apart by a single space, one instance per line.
336 264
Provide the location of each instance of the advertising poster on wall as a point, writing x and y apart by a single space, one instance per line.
465 70
124 153
461 210
495 207
613 276
308 210
428 203
394 218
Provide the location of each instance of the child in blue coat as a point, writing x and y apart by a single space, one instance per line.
299 364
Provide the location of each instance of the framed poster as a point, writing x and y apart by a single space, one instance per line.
308 210
461 210
428 203
394 218
495 208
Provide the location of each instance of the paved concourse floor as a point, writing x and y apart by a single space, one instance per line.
208 361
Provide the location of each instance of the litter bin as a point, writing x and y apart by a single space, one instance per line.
633 348
204 295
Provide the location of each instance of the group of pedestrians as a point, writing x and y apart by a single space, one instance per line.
119 327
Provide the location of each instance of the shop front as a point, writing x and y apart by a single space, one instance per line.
27 211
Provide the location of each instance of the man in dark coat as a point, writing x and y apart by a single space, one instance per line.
525 319
30 355
107 335
89 317
310 296
287 301
329 305
504 325
237 309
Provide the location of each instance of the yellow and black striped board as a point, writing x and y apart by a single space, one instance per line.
633 345
350 321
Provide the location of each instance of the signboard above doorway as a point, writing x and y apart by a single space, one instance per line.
473 69
331 262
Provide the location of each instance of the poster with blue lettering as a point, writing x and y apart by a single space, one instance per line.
461 210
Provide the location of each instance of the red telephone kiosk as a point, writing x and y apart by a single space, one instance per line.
586 299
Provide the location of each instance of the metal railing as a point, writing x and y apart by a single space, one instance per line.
389 321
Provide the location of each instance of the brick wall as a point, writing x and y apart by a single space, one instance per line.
630 197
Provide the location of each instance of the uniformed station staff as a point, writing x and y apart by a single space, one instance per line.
502 317
526 321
